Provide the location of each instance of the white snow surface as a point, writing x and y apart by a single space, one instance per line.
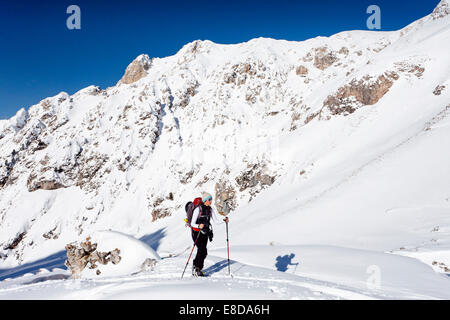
359 207
315 272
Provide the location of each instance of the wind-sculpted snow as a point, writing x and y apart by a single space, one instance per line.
300 142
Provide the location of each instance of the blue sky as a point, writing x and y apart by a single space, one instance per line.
41 57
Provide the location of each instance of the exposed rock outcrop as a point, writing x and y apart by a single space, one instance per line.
301 71
44 185
442 10
16 241
244 71
85 254
159 208
137 69
438 90
254 179
225 199
324 58
148 265
356 94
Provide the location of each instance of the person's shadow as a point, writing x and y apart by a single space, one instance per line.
284 261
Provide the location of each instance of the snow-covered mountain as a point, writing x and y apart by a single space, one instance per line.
335 142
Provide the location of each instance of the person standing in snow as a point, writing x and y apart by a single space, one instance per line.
202 231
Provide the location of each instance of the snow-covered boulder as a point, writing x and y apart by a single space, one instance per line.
107 254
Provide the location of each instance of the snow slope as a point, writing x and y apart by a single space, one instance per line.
322 273
332 147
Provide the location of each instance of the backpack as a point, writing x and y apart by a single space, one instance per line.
189 208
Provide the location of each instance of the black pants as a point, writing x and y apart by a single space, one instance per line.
202 251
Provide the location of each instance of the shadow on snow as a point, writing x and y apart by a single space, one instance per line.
218 266
53 261
57 261
154 240
284 261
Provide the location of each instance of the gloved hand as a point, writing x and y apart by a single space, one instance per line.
210 236
205 228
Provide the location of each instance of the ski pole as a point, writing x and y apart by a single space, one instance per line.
187 263
228 249
296 265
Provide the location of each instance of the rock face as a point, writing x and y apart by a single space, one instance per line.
137 69
359 93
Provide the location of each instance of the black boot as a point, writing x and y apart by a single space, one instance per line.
196 272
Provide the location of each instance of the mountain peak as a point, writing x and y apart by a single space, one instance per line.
196 46
137 69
